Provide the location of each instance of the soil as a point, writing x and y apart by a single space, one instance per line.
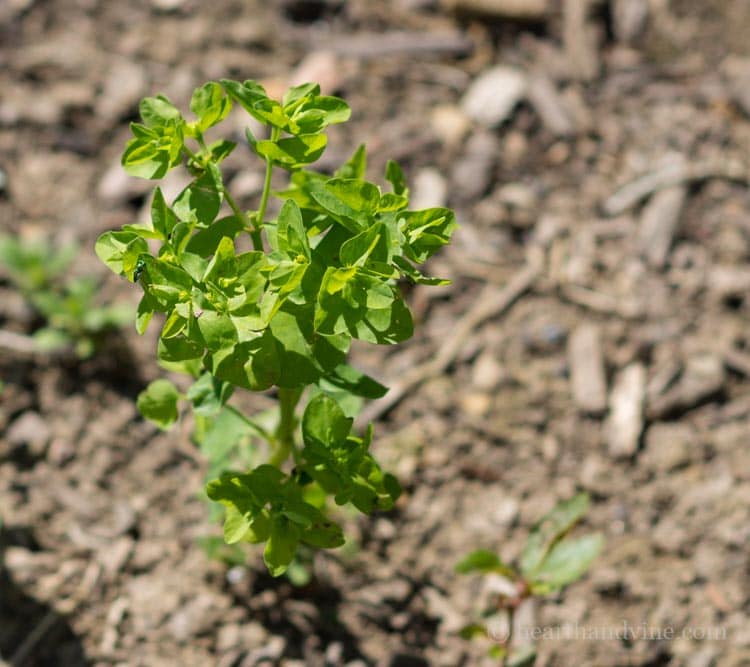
649 414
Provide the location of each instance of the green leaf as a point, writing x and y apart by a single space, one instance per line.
324 423
221 149
158 111
162 216
223 265
316 113
426 231
208 395
372 244
225 439
362 305
291 235
210 105
390 202
416 276
205 241
145 159
355 166
217 330
179 349
395 177
252 364
355 382
565 563
351 201
158 403
472 631
252 97
201 200
323 534
281 545
341 463
247 492
550 529
48 338
144 231
292 152
301 354
236 526
484 561
295 94
120 251
165 283
154 150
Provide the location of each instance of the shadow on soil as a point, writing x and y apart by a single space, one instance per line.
31 633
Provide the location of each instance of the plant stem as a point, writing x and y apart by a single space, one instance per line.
509 638
283 441
255 427
253 230
275 133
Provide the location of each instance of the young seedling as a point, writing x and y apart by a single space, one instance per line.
551 560
72 319
280 316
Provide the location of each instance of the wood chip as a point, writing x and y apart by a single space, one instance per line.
629 18
525 10
323 67
493 95
659 223
586 360
377 45
726 281
675 172
550 105
702 378
625 422
738 361
579 39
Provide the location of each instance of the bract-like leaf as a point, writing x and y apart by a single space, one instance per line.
281 545
484 561
210 105
292 152
158 403
355 166
565 563
121 252
201 199
551 528
395 177
158 111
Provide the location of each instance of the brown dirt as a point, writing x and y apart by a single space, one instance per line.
101 514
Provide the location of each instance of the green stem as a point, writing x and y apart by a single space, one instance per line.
509 638
275 134
253 230
283 441
190 154
255 427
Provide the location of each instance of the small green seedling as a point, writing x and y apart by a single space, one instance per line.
258 303
551 560
67 305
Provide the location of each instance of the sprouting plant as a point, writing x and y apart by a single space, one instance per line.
272 303
67 305
551 560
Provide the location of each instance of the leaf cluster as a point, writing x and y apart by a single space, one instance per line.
324 272
551 560
67 305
